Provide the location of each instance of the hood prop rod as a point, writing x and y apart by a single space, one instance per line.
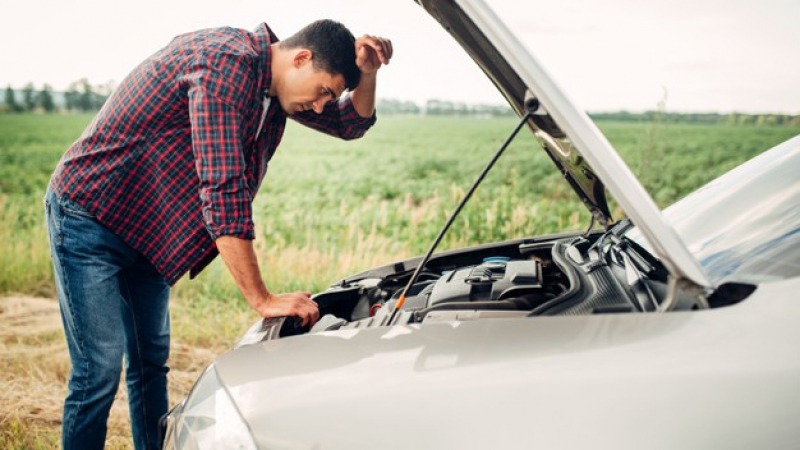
531 104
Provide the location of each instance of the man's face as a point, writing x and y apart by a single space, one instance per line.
305 88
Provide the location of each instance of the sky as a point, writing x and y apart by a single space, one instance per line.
610 55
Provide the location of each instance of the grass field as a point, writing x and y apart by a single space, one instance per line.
327 209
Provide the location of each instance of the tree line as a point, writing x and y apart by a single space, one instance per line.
436 107
447 108
734 118
80 96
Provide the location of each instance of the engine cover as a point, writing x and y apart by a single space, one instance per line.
491 280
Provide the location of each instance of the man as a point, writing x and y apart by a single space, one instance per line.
163 179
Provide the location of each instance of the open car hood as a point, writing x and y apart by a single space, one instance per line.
577 147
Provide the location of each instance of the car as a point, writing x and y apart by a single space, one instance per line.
666 329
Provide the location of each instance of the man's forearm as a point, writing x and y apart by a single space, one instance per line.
240 257
363 97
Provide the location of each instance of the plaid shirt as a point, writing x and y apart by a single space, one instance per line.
173 159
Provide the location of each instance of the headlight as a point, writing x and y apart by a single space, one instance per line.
209 419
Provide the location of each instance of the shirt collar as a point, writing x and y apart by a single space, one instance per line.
264 37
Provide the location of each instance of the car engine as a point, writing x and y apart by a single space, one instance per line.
560 275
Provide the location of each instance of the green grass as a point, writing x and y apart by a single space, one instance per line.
30 147
329 207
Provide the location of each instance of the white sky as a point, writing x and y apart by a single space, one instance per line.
707 55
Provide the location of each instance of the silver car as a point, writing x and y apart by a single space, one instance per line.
665 330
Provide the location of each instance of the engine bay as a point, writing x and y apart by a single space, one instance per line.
572 274
557 275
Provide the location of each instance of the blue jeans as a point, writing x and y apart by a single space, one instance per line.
113 304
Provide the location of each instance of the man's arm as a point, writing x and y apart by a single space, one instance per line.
227 205
371 53
241 260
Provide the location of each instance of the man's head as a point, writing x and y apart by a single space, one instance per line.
315 66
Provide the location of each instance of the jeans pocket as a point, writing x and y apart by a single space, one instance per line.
71 208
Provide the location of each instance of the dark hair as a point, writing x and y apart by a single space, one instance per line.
332 46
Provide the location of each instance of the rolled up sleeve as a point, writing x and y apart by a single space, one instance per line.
339 118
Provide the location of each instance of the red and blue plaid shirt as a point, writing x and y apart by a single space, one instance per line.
173 159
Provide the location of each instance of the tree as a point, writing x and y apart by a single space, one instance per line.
85 101
71 97
29 97
11 101
45 99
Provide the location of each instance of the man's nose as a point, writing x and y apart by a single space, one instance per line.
318 106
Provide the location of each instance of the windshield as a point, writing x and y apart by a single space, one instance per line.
745 225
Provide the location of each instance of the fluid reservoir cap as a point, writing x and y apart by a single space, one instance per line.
496 259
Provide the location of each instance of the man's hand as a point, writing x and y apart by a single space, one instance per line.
291 304
241 260
372 52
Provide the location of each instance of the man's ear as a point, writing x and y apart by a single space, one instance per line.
302 57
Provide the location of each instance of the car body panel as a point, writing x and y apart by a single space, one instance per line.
749 229
706 379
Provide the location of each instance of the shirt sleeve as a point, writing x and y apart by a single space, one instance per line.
339 118
220 162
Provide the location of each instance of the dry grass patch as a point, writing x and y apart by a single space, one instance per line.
35 364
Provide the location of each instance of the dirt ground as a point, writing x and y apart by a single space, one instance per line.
34 366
